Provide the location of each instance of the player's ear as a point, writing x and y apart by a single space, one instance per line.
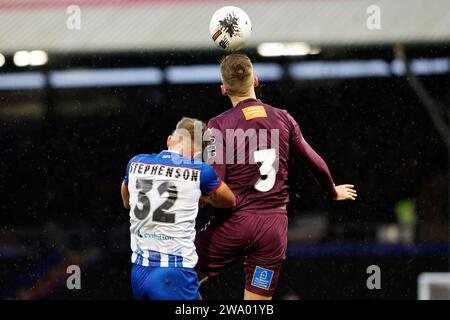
255 82
224 90
169 141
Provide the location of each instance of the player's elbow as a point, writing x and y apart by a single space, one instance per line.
125 196
228 197
229 200
224 201
223 197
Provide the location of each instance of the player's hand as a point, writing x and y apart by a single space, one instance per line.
345 192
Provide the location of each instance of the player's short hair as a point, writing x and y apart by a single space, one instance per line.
199 139
237 73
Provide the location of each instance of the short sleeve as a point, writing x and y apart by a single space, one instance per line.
125 180
209 181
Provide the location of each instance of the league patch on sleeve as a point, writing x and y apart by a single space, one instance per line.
262 278
253 112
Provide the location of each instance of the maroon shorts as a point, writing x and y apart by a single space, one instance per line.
259 238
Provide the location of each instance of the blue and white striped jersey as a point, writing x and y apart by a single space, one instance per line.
164 192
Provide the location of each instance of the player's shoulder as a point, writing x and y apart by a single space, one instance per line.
197 163
279 112
217 120
206 167
172 159
207 172
275 109
231 113
193 163
143 157
176 159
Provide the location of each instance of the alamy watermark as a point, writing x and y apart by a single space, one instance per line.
373 21
237 146
73 21
73 281
374 280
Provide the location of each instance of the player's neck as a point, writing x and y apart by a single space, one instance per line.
176 150
235 100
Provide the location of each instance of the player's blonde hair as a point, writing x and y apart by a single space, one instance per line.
237 74
194 129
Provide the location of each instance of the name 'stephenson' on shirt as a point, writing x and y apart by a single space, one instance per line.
164 171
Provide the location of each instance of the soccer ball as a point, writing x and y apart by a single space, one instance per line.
230 28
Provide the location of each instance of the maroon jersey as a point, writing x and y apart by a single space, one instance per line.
253 142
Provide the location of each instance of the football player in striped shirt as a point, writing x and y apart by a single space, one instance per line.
162 192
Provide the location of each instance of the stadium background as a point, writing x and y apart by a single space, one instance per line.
98 95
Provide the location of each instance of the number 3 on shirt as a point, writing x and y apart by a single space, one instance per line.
267 171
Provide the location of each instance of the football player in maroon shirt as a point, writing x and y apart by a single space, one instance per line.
253 142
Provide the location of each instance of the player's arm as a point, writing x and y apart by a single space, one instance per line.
215 191
124 188
125 195
222 197
318 166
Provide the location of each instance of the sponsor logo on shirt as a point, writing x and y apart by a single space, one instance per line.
154 235
253 112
